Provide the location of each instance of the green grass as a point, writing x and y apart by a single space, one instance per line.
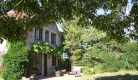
132 75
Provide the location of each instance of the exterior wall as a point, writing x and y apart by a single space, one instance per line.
52 29
2 46
31 39
50 68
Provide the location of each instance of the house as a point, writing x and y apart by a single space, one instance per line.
3 50
43 63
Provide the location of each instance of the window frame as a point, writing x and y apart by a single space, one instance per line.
40 34
54 38
48 35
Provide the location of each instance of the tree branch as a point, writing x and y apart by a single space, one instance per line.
17 4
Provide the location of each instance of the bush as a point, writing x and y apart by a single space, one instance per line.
15 61
87 72
98 68
92 69
85 68
56 68
111 56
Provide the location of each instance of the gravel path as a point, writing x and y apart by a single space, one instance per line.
64 77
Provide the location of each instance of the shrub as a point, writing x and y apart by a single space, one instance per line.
87 72
98 68
85 68
15 61
92 69
56 68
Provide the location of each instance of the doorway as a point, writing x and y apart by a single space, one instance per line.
37 64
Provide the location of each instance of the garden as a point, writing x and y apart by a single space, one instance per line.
86 47
98 35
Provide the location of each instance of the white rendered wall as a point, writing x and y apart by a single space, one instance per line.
2 46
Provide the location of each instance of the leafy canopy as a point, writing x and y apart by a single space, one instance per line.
30 14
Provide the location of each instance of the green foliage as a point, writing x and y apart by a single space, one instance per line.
15 61
87 72
14 28
84 68
92 69
47 49
92 35
98 68
111 56
72 35
39 48
57 68
111 64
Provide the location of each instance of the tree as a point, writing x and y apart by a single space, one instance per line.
15 28
72 35
90 38
78 41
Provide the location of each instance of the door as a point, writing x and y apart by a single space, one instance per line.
45 64
37 64
30 72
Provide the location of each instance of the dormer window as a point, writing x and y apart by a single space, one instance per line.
38 34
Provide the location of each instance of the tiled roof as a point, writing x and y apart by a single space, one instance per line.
20 15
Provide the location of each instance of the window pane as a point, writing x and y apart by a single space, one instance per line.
46 36
40 34
34 61
53 38
37 34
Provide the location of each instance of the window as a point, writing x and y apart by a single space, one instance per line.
53 38
46 36
53 61
38 34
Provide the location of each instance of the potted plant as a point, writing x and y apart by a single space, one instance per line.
63 68
57 71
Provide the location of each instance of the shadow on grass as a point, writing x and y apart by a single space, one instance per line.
119 77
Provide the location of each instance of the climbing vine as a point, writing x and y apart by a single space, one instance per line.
47 49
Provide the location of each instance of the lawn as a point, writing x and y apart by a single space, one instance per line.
132 75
